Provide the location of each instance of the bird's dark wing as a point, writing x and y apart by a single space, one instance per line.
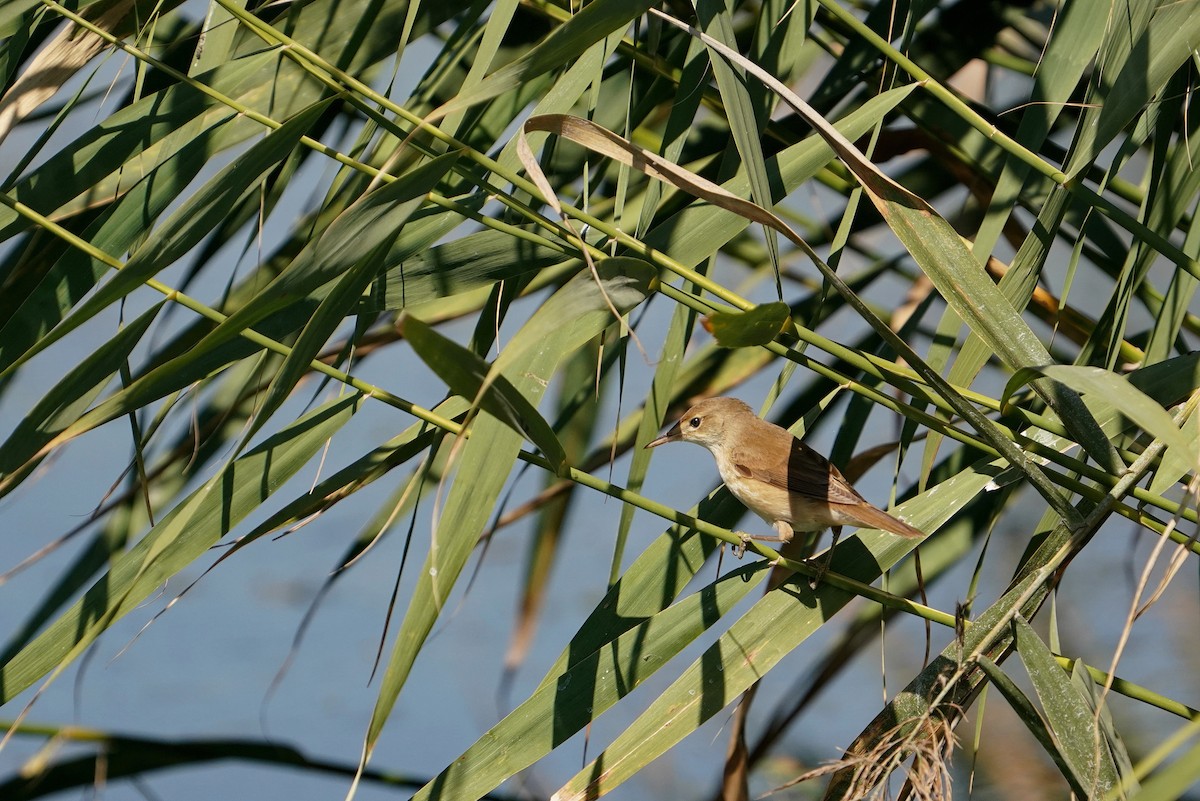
802 471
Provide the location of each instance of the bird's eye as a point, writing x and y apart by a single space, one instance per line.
694 422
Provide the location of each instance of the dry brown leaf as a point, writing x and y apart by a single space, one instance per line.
65 55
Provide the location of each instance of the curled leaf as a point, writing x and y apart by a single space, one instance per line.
758 326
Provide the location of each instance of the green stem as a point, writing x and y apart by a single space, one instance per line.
1009 145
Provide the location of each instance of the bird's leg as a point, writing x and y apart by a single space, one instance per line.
783 533
823 566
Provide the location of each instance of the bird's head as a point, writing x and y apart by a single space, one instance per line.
707 423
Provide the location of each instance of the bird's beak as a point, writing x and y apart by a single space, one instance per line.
674 434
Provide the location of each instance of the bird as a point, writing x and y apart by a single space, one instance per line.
776 476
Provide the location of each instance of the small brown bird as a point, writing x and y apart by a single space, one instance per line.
777 476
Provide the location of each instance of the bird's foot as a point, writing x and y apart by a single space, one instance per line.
739 550
822 567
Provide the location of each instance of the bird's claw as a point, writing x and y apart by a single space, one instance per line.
822 567
739 550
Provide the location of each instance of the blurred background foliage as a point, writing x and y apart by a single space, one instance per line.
964 252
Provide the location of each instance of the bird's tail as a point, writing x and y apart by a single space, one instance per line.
870 517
